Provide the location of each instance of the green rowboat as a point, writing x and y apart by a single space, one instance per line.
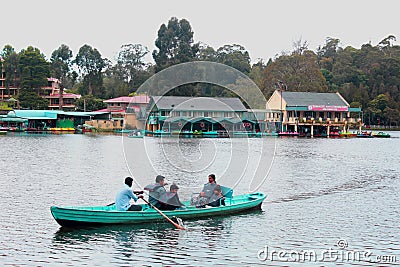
76 217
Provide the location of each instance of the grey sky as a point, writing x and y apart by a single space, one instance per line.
264 28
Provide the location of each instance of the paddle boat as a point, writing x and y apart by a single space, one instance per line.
136 134
381 135
348 134
76 217
161 132
288 134
123 131
364 134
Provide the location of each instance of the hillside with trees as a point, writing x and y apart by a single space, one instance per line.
368 77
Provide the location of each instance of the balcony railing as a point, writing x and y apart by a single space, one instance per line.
322 120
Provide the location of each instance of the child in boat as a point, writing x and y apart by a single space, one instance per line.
170 201
217 199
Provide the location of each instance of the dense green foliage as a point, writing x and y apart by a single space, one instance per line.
33 69
31 100
175 44
368 77
91 64
90 103
60 66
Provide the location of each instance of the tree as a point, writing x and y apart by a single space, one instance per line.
174 44
91 64
207 53
256 73
33 68
10 66
90 103
327 53
61 62
299 73
234 56
114 84
131 66
31 100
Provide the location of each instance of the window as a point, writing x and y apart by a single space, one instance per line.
165 113
321 115
337 115
329 114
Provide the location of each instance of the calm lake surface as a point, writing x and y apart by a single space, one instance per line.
321 194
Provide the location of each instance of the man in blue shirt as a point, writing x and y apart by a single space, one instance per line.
122 201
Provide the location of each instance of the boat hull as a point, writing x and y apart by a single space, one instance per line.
76 217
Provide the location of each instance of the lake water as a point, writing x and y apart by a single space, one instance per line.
323 196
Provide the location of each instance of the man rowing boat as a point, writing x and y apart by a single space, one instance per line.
122 200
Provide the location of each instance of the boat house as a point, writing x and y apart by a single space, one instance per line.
312 114
193 115
39 120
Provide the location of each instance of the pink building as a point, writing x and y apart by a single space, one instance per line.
130 104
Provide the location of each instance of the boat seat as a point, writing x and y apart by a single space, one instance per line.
227 192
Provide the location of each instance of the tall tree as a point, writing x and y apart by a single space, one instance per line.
131 65
91 64
235 56
174 44
61 62
33 68
299 73
207 53
31 100
10 67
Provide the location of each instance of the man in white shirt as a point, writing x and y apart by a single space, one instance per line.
122 201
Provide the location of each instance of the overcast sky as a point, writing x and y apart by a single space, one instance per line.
264 28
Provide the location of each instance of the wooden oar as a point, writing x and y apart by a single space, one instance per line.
177 226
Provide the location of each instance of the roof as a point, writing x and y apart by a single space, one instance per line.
50 114
141 99
36 114
309 99
198 103
51 79
83 113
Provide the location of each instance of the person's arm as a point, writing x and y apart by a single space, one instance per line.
132 195
202 193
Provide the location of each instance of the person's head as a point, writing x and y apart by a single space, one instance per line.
160 179
128 181
174 188
211 178
217 190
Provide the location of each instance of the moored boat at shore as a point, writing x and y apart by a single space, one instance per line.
381 135
288 134
76 217
364 134
348 134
